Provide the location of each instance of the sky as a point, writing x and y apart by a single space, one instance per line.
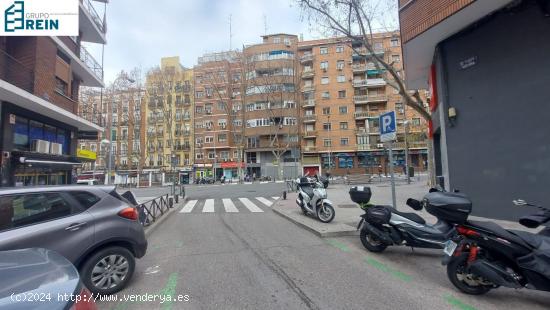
140 32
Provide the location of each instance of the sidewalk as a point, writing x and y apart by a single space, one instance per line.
348 212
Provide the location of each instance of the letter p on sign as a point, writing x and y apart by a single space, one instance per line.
387 126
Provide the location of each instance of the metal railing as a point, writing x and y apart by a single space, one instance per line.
151 210
95 17
91 63
14 72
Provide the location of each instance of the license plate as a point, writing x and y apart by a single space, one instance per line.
450 247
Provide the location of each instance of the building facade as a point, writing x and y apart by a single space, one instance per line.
218 118
169 120
271 107
40 78
343 94
489 98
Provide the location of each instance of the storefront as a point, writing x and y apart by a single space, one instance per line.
231 169
203 171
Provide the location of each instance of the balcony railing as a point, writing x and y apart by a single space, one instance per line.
310 149
369 98
308 88
91 63
308 134
359 83
367 114
308 74
309 118
14 72
95 17
376 82
308 103
306 58
367 131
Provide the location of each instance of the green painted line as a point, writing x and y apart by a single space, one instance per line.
170 289
338 245
453 301
179 245
121 306
385 268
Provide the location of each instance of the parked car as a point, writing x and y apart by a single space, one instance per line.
92 226
41 279
87 182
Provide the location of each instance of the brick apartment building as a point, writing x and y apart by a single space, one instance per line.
40 78
487 67
169 112
343 95
271 108
218 118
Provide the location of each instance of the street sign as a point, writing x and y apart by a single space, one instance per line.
388 127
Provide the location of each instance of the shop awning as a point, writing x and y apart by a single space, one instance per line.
25 160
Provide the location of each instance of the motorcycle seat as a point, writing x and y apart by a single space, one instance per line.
533 240
409 215
499 232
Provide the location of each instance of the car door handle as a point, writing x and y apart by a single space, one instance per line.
75 226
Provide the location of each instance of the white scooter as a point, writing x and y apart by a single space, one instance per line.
312 199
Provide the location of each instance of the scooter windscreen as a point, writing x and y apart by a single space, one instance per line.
535 220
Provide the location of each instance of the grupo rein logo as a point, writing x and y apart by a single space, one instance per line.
40 18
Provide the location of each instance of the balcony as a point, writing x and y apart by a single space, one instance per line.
376 82
367 114
83 65
308 103
309 149
92 26
309 118
363 53
369 147
310 134
359 83
308 74
308 88
15 73
363 99
306 58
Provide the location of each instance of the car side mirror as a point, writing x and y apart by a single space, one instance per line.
415 204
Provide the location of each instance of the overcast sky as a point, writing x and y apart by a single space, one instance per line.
139 33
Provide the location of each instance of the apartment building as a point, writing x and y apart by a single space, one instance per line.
40 78
342 95
169 112
218 118
271 107
122 115
486 63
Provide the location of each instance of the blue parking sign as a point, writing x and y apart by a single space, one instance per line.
388 126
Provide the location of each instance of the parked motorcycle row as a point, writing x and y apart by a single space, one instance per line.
479 255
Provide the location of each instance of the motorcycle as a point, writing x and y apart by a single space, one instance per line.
312 199
483 256
383 226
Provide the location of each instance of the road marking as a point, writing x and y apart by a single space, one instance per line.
229 205
385 268
458 303
189 206
250 205
275 198
208 206
264 182
170 290
338 245
264 201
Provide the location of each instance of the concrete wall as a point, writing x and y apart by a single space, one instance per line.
498 149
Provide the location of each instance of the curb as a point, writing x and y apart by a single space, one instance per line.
316 232
151 228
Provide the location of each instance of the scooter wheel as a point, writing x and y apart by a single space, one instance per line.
461 279
325 213
371 243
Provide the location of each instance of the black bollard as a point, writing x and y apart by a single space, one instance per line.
284 195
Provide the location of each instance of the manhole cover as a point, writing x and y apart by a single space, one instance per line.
347 206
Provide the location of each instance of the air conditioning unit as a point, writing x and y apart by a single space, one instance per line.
40 146
56 148
380 145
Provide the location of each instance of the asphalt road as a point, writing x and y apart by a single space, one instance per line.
210 258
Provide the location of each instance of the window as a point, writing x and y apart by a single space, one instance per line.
394 42
325 95
224 155
327 126
211 155
341 94
85 199
339 49
326 111
31 209
199 94
327 143
199 156
222 137
323 50
343 110
341 79
343 125
276 40
221 105
61 86
324 80
378 46
415 121
340 65
287 41
344 141
208 139
395 58
324 65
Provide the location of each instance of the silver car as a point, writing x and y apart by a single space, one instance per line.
92 226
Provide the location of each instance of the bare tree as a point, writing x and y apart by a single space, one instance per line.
356 20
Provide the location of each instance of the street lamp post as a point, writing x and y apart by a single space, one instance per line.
108 176
330 145
406 124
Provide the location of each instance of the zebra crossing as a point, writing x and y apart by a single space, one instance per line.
228 205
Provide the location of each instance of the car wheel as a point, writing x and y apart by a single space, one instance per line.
108 270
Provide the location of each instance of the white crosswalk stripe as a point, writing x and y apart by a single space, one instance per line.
208 206
229 206
264 201
189 206
275 198
250 205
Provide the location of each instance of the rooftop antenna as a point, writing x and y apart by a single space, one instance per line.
265 24
230 33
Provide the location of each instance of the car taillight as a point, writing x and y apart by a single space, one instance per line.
129 213
467 232
85 301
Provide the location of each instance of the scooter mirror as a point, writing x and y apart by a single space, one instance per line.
415 204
